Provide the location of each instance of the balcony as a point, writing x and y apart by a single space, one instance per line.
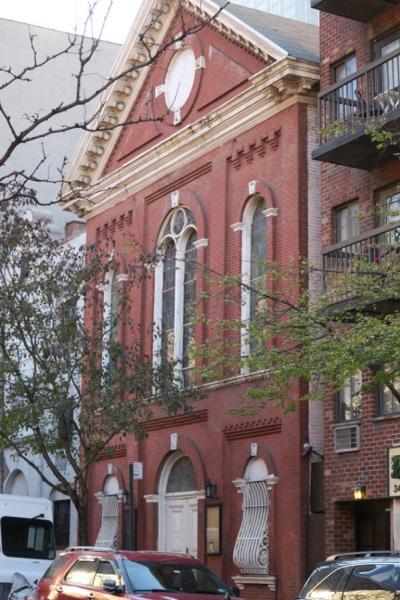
348 109
360 10
344 261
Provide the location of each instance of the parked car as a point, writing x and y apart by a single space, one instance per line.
357 576
101 574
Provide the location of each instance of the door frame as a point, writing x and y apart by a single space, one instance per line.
163 497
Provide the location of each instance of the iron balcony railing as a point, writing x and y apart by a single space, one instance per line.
368 96
344 261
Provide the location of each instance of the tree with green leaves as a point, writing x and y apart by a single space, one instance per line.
70 386
346 319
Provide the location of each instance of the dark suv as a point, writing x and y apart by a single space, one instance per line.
358 576
84 573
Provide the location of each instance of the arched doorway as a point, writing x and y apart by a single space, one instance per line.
16 484
178 506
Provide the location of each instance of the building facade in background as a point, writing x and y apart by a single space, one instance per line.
45 87
221 183
360 195
300 10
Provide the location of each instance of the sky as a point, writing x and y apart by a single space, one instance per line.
65 14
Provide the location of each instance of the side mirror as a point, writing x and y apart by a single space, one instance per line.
236 591
111 586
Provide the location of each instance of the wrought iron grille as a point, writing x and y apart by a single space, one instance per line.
107 535
366 97
251 548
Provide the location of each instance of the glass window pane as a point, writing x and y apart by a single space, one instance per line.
350 399
168 302
105 570
258 258
81 572
372 582
182 477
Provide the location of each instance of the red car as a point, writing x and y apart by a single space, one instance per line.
103 574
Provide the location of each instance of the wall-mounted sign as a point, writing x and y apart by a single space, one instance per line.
394 471
137 470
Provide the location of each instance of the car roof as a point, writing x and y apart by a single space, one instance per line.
362 558
136 555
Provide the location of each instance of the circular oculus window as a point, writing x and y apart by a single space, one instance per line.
180 78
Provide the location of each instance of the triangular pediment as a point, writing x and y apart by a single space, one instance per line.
153 28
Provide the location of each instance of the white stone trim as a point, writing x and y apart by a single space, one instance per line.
270 212
177 116
247 109
201 243
152 498
121 277
242 580
175 199
252 187
200 62
159 89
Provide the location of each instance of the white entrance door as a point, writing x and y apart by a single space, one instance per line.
181 524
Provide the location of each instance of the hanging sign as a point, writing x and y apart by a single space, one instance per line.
394 471
137 470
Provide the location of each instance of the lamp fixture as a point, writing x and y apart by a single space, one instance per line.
359 491
211 489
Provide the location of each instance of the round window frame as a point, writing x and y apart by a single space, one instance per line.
160 104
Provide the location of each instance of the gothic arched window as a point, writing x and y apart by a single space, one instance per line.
175 291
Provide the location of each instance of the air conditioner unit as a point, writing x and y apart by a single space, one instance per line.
347 438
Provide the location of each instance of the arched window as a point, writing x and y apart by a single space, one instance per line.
110 316
175 292
254 256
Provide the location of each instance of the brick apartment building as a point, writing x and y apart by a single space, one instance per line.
360 82
229 166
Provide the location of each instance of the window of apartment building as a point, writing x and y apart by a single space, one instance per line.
346 222
175 291
350 399
388 74
346 94
388 205
389 403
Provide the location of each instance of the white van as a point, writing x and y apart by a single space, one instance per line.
26 538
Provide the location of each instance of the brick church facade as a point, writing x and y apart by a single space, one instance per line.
231 149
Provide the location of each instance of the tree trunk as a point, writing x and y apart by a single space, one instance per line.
83 533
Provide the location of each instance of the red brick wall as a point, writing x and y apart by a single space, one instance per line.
340 37
272 152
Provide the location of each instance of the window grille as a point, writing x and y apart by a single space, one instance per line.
107 535
251 552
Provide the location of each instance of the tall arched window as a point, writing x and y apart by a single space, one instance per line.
110 316
175 291
254 256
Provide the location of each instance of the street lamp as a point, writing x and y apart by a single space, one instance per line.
211 489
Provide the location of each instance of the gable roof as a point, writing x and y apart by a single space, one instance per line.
298 39
289 48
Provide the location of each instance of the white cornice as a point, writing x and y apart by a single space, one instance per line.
150 26
259 102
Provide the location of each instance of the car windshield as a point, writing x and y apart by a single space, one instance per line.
315 578
27 538
175 577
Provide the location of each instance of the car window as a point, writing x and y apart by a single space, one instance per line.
82 571
105 570
315 578
55 567
370 582
328 588
173 577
